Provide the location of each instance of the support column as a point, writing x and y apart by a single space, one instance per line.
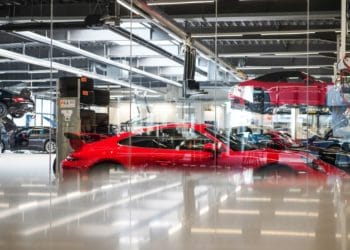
294 122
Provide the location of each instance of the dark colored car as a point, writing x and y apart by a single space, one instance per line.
329 151
36 138
286 88
7 130
190 147
15 104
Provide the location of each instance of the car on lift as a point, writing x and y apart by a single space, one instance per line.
15 104
36 138
186 146
279 89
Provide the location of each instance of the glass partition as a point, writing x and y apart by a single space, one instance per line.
157 124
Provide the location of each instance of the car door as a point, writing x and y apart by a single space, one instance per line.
183 148
34 138
137 151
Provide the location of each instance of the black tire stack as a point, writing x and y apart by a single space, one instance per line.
91 122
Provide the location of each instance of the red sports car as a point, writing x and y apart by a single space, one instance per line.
190 147
290 88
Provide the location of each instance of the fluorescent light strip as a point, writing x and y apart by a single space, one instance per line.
281 33
223 198
204 210
296 214
69 196
287 233
43 71
240 212
198 230
69 69
285 67
127 6
30 81
294 190
33 185
254 199
41 194
338 236
179 2
101 59
89 212
124 223
4 205
28 205
301 200
254 67
174 229
261 33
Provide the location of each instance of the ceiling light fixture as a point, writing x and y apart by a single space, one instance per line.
101 59
127 6
176 2
69 69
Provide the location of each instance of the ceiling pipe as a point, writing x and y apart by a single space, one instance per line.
152 47
175 29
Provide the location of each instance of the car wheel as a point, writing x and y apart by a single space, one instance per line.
3 110
101 171
334 147
54 168
2 147
275 170
50 147
18 115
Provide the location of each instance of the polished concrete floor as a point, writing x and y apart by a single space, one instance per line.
167 210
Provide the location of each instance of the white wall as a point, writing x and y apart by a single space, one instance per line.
163 112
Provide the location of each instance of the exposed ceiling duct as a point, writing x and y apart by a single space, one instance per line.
170 25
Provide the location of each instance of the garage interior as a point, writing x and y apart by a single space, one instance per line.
154 62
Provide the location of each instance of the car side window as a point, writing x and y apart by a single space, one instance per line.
180 138
191 139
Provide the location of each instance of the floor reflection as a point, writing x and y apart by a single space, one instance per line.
176 210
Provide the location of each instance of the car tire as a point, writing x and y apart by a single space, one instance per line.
50 147
102 121
102 97
275 170
100 171
87 97
3 110
68 86
18 115
54 168
334 147
2 147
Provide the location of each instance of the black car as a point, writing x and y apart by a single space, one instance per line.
36 138
15 104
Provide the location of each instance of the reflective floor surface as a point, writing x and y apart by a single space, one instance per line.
168 210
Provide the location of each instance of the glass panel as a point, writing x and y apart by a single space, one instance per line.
173 124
